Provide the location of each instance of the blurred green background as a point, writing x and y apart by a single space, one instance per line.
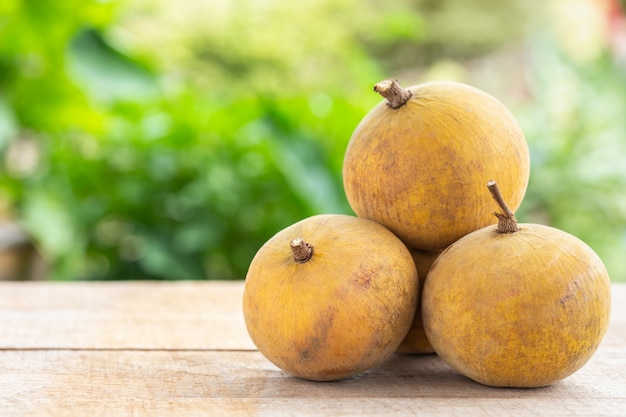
160 139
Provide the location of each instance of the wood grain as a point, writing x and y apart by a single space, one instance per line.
181 349
80 383
123 315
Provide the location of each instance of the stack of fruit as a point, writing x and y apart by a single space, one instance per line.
425 266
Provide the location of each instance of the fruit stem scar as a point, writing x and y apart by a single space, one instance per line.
301 250
394 93
507 223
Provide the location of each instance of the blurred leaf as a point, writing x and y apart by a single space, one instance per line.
107 74
8 125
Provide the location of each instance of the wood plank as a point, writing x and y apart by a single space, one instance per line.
183 383
149 315
123 315
146 348
317 407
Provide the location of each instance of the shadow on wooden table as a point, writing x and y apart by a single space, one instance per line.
401 376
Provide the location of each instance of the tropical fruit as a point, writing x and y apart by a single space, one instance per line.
516 305
416 162
330 296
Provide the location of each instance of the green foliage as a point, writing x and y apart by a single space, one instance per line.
169 140
120 172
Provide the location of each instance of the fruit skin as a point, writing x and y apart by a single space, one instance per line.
522 309
419 169
416 341
338 314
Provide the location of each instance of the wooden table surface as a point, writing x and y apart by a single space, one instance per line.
181 349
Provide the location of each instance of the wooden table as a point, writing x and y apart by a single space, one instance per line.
181 349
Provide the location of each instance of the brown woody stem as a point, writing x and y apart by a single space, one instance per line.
507 223
301 250
394 93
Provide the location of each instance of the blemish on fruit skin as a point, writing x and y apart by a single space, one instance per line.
565 298
572 290
363 280
309 353
321 328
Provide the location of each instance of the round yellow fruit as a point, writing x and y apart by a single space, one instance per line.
330 296
517 305
416 163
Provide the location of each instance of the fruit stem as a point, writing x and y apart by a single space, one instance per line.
507 223
301 250
394 93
